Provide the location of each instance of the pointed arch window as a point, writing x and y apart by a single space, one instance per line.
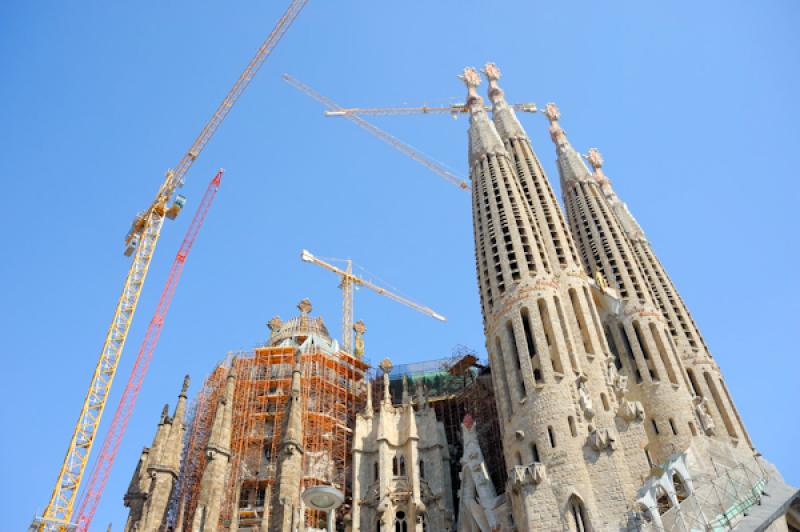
579 520
395 466
400 523
402 465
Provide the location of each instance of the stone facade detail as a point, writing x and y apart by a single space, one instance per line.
156 474
400 465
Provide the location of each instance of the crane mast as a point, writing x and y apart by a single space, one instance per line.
348 280
116 431
454 110
140 242
393 141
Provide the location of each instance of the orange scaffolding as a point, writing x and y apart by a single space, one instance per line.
333 391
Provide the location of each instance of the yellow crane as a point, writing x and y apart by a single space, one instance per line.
140 242
393 141
454 110
348 280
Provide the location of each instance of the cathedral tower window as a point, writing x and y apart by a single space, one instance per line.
655 426
529 339
726 419
400 523
626 342
604 400
375 470
422 469
402 465
579 521
637 329
572 428
576 308
565 332
693 381
662 351
548 334
513 340
552 436
672 426
534 453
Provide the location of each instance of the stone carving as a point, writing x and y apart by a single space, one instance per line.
491 71
551 112
594 158
631 410
386 367
617 381
585 400
304 306
274 325
470 77
600 439
706 421
531 474
359 329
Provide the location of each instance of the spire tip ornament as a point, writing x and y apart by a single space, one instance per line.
595 158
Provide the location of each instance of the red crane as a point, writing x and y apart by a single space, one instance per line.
105 460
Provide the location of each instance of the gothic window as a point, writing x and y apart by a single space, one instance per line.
395 467
422 469
613 346
576 309
402 465
552 436
672 426
268 452
645 351
693 381
547 325
662 351
720 406
579 521
534 453
375 470
529 339
515 352
400 523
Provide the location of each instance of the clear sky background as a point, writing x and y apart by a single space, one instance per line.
693 104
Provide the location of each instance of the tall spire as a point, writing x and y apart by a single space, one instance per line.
629 224
649 358
704 375
483 137
218 454
556 238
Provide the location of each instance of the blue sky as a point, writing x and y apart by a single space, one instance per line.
693 105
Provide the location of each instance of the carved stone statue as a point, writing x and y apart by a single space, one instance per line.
706 421
585 400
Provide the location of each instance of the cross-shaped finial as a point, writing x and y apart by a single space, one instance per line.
304 306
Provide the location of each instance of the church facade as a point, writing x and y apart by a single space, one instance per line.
612 413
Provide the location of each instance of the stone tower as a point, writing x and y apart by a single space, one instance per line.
639 333
285 508
711 395
157 472
573 464
218 455
401 478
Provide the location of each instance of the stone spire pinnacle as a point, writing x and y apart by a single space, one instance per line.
570 163
386 366
629 224
359 328
368 404
293 437
483 137
406 397
504 117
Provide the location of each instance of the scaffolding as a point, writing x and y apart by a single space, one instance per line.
333 391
